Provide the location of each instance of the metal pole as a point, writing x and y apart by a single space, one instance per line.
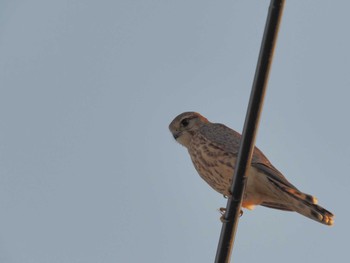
234 202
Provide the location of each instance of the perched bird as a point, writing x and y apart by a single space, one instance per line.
213 148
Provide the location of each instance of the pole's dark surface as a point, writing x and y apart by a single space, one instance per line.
234 203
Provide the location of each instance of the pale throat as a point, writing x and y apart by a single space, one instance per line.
185 139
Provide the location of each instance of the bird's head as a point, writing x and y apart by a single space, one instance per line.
185 125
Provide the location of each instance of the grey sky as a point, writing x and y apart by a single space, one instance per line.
88 169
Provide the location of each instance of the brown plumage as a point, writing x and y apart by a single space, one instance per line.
213 148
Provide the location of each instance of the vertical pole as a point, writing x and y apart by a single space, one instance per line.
234 202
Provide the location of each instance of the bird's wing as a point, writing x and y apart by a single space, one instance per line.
222 137
276 205
273 174
279 181
228 140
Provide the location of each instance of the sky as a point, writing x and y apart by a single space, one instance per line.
89 171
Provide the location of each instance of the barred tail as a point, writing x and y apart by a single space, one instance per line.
314 212
301 203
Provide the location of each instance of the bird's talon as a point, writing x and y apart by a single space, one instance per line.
222 211
222 219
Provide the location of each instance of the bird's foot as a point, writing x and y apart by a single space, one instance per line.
222 211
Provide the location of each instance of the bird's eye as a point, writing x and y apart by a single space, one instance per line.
185 122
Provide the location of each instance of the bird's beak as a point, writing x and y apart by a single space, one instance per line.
176 135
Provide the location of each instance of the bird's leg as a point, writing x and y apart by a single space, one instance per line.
222 211
228 193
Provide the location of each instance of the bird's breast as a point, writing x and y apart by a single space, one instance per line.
213 164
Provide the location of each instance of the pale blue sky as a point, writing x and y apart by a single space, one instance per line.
88 169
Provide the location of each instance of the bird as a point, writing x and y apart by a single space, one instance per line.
213 148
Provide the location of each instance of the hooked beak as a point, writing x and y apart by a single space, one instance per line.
176 135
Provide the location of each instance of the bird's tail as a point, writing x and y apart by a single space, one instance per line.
303 204
314 212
